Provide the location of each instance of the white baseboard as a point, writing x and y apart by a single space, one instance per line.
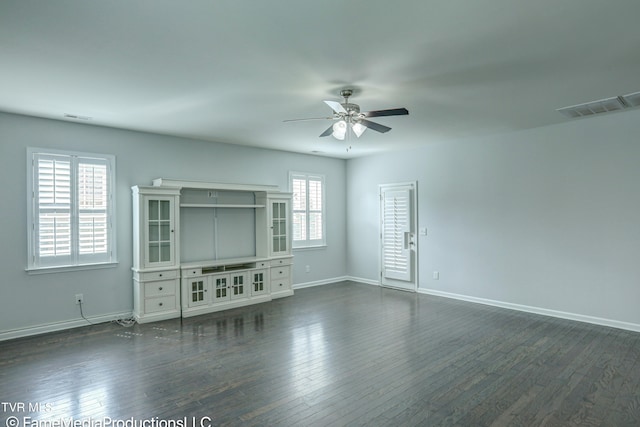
319 282
60 326
335 280
365 281
536 310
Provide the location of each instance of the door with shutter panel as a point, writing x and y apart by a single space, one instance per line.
397 236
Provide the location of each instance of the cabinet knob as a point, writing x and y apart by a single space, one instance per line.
160 275
160 304
160 288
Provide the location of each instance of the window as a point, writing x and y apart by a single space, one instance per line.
70 209
308 209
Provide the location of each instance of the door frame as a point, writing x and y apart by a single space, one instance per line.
414 231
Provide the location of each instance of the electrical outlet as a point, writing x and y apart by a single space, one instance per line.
436 275
307 269
79 299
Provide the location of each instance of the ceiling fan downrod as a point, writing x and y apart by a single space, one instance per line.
351 109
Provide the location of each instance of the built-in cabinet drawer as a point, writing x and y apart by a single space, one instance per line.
154 305
158 275
280 272
192 272
159 288
280 285
280 261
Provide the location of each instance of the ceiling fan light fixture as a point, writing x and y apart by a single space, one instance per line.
339 130
358 129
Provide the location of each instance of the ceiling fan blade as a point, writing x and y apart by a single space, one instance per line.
327 132
311 118
336 106
391 112
375 126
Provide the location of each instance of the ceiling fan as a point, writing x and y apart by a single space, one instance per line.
349 118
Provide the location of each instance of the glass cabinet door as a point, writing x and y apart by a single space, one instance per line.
238 285
258 282
220 288
279 228
197 291
160 244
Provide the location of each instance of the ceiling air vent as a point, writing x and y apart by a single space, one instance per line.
595 107
76 117
632 100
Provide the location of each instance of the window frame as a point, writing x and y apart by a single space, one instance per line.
307 242
75 260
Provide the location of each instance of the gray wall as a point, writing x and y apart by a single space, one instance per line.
29 301
545 218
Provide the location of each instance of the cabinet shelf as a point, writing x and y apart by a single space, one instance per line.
223 205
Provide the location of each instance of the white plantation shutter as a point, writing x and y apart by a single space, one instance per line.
396 205
92 207
71 209
308 209
53 195
315 208
299 190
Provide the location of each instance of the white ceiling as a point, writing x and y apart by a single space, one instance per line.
231 70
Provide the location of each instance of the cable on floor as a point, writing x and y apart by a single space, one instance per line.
82 314
127 322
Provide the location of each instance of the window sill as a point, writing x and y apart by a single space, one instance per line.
67 268
307 248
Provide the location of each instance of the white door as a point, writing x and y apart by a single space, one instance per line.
397 236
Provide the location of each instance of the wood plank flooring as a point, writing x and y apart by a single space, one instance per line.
340 354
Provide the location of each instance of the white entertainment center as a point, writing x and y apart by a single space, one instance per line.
201 247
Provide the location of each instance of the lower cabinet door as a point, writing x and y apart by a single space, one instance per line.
259 282
220 288
198 291
239 286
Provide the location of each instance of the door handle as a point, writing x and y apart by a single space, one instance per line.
409 238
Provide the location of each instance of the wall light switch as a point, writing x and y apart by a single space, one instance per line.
423 231
436 275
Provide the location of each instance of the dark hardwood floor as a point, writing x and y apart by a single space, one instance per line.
341 354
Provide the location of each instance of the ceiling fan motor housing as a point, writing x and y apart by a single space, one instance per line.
352 109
